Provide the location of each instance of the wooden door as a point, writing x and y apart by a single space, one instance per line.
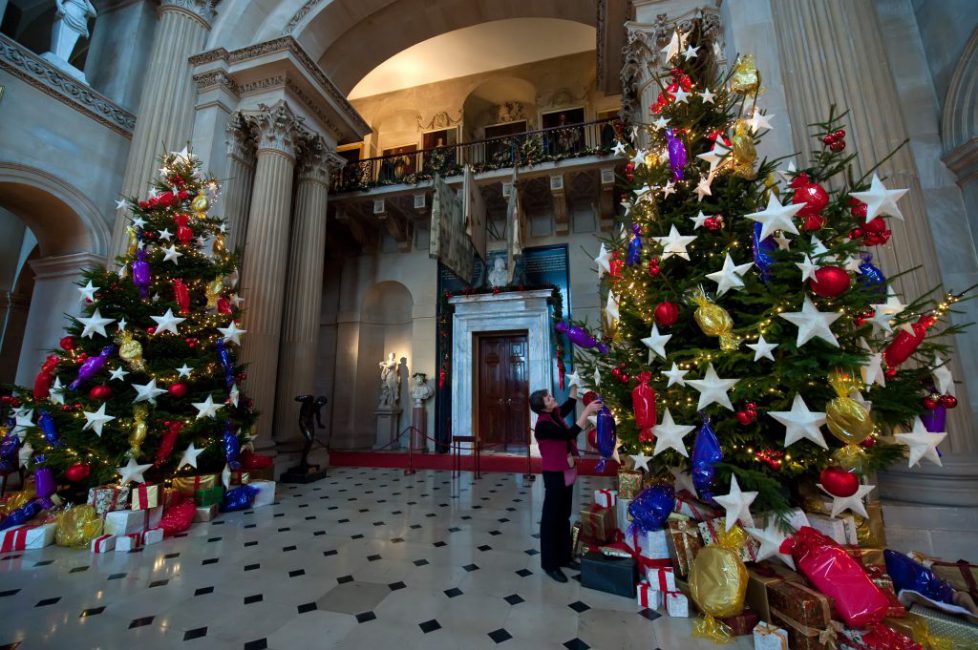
503 385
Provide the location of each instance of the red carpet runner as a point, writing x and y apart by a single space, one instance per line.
489 462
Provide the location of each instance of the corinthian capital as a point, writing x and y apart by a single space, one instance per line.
241 138
278 128
202 10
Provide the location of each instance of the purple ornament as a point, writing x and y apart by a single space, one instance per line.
581 337
607 442
232 447
46 424
22 514
762 249
46 486
141 272
706 454
634 247
935 420
677 155
91 367
9 452
651 508
224 355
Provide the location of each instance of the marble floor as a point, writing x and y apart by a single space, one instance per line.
366 558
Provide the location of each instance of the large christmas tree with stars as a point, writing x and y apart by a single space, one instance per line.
749 343
145 384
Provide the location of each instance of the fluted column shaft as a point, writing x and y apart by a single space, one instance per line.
166 108
264 268
303 290
832 52
240 181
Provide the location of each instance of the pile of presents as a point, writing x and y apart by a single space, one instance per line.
829 584
123 518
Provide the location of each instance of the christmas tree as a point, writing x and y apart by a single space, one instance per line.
748 338
145 384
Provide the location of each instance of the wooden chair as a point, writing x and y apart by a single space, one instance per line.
457 442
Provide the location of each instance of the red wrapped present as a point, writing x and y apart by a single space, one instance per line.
858 601
743 623
877 637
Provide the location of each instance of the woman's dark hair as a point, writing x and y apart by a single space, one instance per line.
536 401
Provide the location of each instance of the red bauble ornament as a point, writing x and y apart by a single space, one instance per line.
666 313
930 402
67 343
178 390
624 378
949 401
857 208
812 195
829 281
589 397
839 482
839 134
100 392
151 330
185 233
838 145
868 442
77 472
744 418
813 222
751 407
630 166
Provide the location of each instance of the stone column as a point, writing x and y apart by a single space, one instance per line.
264 268
54 294
240 179
304 287
832 53
166 108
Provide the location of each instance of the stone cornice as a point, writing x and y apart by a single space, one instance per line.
23 63
354 124
65 265
203 11
298 16
215 79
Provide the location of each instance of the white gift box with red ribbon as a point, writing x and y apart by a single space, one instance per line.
103 544
651 544
152 536
123 522
770 637
606 498
677 604
661 578
128 542
23 538
648 596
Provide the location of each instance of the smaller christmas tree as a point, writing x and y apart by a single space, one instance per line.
146 384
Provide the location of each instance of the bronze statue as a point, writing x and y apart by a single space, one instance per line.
311 408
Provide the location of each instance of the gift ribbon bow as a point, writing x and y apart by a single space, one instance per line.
765 629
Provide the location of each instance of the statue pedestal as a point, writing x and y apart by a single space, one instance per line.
387 420
419 422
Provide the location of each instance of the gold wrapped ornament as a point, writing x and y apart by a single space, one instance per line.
133 242
743 152
139 429
718 583
745 79
130 351
714 320
847 419
78 526
214 290
200 204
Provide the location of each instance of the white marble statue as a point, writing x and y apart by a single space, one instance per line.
390 382
420 390
71 23
498 277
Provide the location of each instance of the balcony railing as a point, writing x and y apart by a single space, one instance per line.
519 150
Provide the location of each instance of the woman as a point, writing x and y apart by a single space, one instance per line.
558 448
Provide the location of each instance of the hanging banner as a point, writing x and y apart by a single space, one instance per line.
475 213
515 236
448 242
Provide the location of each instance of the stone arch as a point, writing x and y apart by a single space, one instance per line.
349 38
959 122
501 98
386 315
64 220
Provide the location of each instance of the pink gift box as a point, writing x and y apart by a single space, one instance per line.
606 498
663 579
103 544
648 596
677 604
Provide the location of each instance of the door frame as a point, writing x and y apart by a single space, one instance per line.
477 388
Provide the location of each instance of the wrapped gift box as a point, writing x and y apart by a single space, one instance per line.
597 524
769 637
171 497
804 637
841 529
760 578
188 485
687 505
651 544
742 624
123 522
577 544
240 477
108 498
145 496
206 513
878 637
629 483
870 531
609 574
954 629
648 596
265 495
152 536
27 537
128 542
677 604
684 541
708 531
623 518
209 496
606 498
805 614
103 544
663 579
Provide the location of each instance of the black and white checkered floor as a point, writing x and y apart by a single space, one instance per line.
366 558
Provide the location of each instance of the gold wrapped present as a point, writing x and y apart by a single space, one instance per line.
871 531
629 484
597 524
188 485
684 543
